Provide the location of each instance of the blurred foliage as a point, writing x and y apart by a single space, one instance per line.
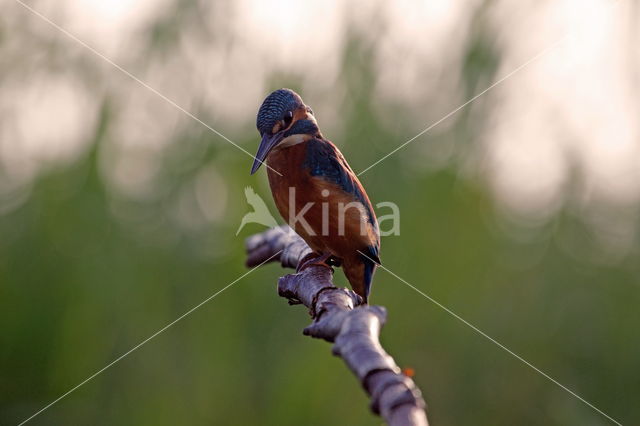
86 274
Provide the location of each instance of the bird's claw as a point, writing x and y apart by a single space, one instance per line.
314 259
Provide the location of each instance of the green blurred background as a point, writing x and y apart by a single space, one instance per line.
118 212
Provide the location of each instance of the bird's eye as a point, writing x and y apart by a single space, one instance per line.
310 111
287 119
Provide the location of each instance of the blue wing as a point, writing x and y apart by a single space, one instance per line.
324 160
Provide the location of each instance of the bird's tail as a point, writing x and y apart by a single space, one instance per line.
370 260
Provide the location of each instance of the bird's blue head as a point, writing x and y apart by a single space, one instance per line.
281 115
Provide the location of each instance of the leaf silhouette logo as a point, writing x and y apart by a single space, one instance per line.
260 213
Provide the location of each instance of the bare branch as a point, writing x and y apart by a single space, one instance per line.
339 317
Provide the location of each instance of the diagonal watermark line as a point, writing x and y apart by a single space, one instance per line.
136 79
147 339
500 345
496 83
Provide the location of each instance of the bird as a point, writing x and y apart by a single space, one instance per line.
316 191
260 213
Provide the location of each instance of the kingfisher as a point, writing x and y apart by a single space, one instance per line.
316 191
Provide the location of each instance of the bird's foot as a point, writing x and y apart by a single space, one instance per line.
313 259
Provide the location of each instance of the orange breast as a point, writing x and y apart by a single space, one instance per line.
321 212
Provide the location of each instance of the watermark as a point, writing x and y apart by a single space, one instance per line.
260 213
333 215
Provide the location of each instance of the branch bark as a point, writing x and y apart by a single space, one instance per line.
339 317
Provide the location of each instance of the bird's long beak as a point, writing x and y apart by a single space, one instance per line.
267 143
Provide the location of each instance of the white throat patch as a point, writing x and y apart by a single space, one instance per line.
292 140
